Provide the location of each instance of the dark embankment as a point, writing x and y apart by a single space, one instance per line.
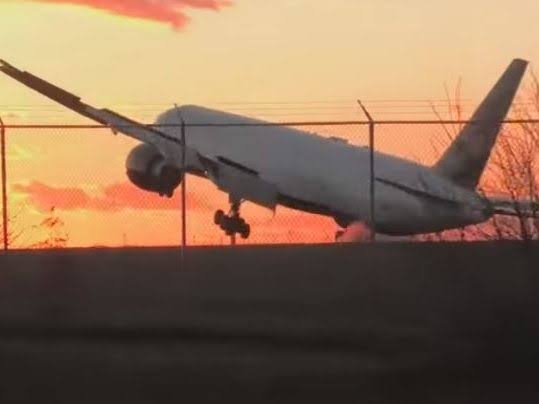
387 323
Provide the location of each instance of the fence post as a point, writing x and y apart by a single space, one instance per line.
233 240
183 188
184 191
4 185
372 181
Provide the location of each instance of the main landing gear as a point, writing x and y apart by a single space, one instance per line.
232 223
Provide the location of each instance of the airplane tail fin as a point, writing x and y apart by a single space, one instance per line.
465 159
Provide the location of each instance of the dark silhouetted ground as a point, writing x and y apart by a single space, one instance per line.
387 323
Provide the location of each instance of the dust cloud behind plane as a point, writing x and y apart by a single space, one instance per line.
163 11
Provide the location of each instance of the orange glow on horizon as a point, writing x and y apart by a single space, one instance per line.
298 60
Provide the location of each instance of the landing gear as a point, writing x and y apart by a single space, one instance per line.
232 223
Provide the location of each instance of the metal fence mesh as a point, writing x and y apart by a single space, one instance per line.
66 187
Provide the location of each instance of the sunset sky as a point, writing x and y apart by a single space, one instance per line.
278 60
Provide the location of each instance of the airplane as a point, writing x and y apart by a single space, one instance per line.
271 165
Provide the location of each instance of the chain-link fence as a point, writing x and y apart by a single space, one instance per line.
66 186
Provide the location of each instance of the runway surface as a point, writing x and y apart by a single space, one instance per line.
385 323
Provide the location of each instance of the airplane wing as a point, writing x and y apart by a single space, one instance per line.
169 145
519 208
240 182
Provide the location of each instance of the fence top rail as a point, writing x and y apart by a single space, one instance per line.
270 124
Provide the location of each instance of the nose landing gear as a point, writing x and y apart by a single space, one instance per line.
232 223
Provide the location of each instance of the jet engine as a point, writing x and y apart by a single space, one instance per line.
147 169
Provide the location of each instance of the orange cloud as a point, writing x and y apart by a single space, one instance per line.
163 11
115 197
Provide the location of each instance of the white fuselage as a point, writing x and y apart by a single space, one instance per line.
329 176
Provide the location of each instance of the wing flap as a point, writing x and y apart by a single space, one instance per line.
47 89
241 183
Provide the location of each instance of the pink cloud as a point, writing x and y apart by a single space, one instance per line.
115 197
163 11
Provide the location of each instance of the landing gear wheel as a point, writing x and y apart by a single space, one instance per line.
218 217
245 231
232 223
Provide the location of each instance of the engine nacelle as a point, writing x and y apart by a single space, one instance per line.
147 169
